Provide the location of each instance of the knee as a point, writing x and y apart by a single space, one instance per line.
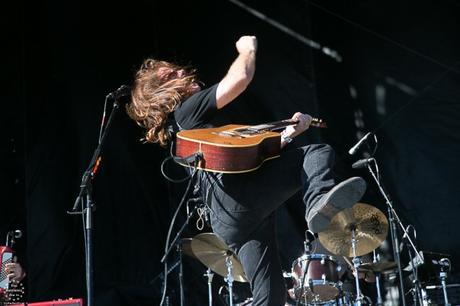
321 148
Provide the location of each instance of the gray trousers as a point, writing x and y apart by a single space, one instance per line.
243 206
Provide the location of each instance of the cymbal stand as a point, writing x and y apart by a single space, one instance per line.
306 255
377 280
181 275
356 264
445 265
209 275
394 222
417 289
229 278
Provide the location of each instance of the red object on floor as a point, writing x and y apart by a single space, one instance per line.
68 302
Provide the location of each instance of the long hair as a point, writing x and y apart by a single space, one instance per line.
155 96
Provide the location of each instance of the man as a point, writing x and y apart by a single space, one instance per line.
243 205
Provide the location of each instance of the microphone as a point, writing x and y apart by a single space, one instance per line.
122 91
355 148
362 163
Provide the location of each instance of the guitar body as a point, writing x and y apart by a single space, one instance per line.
230 148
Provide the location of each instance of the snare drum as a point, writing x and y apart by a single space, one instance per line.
319 273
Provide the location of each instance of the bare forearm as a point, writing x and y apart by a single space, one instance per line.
240 73
243 68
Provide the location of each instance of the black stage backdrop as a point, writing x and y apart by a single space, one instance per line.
399 78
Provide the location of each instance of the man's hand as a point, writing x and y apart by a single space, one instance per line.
14 271
246 44
294 130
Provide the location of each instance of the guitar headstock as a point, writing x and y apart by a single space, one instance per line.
318 123
315 122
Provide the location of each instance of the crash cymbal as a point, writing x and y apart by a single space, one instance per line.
380 266
187 247
212 252
369 223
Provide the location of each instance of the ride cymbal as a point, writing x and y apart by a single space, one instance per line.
212 252
368 222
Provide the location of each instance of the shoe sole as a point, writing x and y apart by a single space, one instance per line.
343 195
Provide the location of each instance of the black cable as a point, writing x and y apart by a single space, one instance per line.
171 225
178 160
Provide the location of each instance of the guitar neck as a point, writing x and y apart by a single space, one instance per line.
278 125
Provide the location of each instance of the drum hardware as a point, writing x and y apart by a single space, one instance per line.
315 279
217 257
376 261
370 227
395 224
209 275
356 262
416 290
444 263
214 254
354 232
229 278
433 267
434 294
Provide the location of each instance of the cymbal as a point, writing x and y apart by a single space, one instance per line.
212 252
380 266
369 223
187 247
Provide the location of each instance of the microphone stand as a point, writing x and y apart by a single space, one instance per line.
394 221
85 201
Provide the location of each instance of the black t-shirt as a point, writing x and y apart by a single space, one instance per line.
198 110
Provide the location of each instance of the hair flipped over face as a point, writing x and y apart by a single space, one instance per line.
155 95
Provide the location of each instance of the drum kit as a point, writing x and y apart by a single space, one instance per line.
353 232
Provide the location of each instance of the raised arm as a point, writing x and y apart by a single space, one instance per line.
240 73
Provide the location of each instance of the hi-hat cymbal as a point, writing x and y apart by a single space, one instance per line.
370 226
212 252
380 266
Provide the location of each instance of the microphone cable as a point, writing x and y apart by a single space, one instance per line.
168 236
192 164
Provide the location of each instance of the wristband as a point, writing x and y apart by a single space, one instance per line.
285 139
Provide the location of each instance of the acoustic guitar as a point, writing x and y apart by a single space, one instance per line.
233 148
